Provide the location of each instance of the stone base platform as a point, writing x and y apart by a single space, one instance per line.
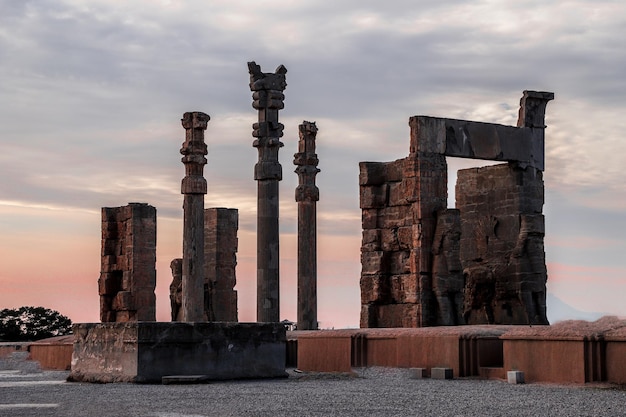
145 352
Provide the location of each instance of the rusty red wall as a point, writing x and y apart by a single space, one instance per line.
324 354
53 356
546 360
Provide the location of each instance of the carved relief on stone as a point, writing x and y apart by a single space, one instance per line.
176 289
410 275
447 275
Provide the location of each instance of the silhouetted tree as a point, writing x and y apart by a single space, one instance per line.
32 323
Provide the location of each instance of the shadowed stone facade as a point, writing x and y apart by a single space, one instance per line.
128 273
502 254
419 261
220 257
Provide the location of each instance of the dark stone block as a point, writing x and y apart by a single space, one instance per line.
148 351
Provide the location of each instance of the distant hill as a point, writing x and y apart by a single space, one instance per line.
558 310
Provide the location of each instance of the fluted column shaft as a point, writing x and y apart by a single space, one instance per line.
193 187
268 99
307 195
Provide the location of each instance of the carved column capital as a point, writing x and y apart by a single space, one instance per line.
533 108
193 151
306 161
268 98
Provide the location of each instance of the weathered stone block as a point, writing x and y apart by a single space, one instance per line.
441 373
515 377
369 218
123 300
404 288
147 352
375 288
371 240
373 263
428 134
392 217
374 196
372 173
399 262
417 373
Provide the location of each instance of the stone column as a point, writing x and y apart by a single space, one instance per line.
267 98
307 195
194 188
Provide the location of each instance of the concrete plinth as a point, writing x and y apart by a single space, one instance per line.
145 352
441 373
515 377
417 373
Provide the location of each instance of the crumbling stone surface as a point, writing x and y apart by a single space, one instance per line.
425 265
502 253
448 280
128 263
176 289
220 255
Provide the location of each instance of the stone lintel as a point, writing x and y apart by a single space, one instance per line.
477 140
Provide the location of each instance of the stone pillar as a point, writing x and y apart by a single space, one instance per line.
267 98
128 274
307 195
220 259
193 188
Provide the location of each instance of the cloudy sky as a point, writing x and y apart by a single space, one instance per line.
92 92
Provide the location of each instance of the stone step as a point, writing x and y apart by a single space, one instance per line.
184 379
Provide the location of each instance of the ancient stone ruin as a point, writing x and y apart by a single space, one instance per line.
307 195
128 273
268 98
204 341
193 188
220 260
483 262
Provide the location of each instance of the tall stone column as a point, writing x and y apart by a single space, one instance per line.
307 195
267 98
194 187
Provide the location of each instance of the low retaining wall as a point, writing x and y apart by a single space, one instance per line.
463 348
6 348
567 352
52 356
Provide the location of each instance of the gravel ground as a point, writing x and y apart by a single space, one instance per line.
369 392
